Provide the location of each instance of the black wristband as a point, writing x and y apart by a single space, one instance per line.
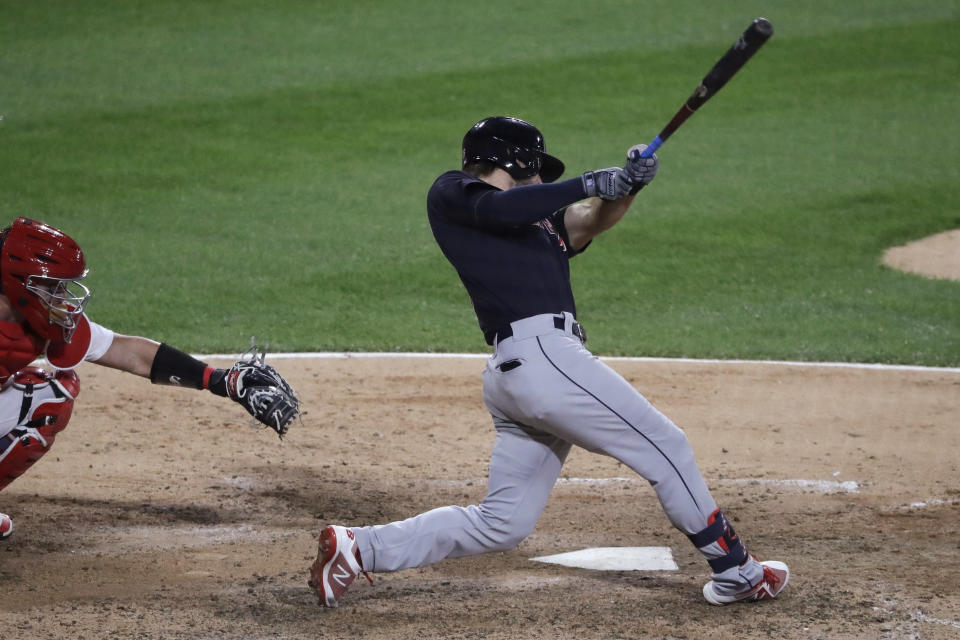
174 367
217 382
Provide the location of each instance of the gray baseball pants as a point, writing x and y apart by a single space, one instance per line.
546 392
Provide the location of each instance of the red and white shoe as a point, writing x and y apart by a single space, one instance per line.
337 565
6 526
776 575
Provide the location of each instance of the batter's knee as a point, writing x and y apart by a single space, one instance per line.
505 531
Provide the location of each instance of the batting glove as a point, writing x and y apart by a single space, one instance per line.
640 170
607 184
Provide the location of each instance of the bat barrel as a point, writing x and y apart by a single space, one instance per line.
726 67
759 32
733 60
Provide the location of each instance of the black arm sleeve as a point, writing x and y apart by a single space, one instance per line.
174 367
524 205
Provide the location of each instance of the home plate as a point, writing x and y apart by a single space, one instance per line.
616 559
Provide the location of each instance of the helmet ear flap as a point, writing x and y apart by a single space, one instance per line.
529 163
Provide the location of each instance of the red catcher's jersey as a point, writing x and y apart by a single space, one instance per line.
19 346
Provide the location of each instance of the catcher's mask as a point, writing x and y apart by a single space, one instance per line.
513 145
40 272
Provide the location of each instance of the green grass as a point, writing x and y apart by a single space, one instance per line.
238 168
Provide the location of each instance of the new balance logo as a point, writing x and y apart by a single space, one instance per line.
341 575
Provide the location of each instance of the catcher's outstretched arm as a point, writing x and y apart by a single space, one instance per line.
132 354
257 386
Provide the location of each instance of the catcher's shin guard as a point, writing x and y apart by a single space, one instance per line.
45 408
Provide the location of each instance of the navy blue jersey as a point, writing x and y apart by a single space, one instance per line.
510 248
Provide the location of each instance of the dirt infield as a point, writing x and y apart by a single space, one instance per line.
936 256
161 514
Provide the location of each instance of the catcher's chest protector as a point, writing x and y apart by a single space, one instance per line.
18 347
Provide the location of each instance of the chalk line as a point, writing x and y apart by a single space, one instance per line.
344 355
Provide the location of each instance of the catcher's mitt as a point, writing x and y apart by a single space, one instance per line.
262 391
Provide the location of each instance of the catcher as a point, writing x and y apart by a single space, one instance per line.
42 302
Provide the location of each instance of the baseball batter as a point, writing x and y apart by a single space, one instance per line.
42 312
509 229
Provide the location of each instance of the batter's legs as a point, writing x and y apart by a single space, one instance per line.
551 382
547 393
560 388
524 466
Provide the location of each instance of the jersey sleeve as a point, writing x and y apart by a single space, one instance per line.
452 193
100 340
471 201
90 342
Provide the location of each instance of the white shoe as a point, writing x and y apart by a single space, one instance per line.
776 575
337 565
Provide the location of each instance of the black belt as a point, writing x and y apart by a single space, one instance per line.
558 322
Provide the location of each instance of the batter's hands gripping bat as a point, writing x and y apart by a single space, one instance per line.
731 62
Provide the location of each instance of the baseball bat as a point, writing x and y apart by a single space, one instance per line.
732 61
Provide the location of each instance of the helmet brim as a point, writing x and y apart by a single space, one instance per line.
551 168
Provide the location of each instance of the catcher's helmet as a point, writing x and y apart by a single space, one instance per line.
513 145
40 272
